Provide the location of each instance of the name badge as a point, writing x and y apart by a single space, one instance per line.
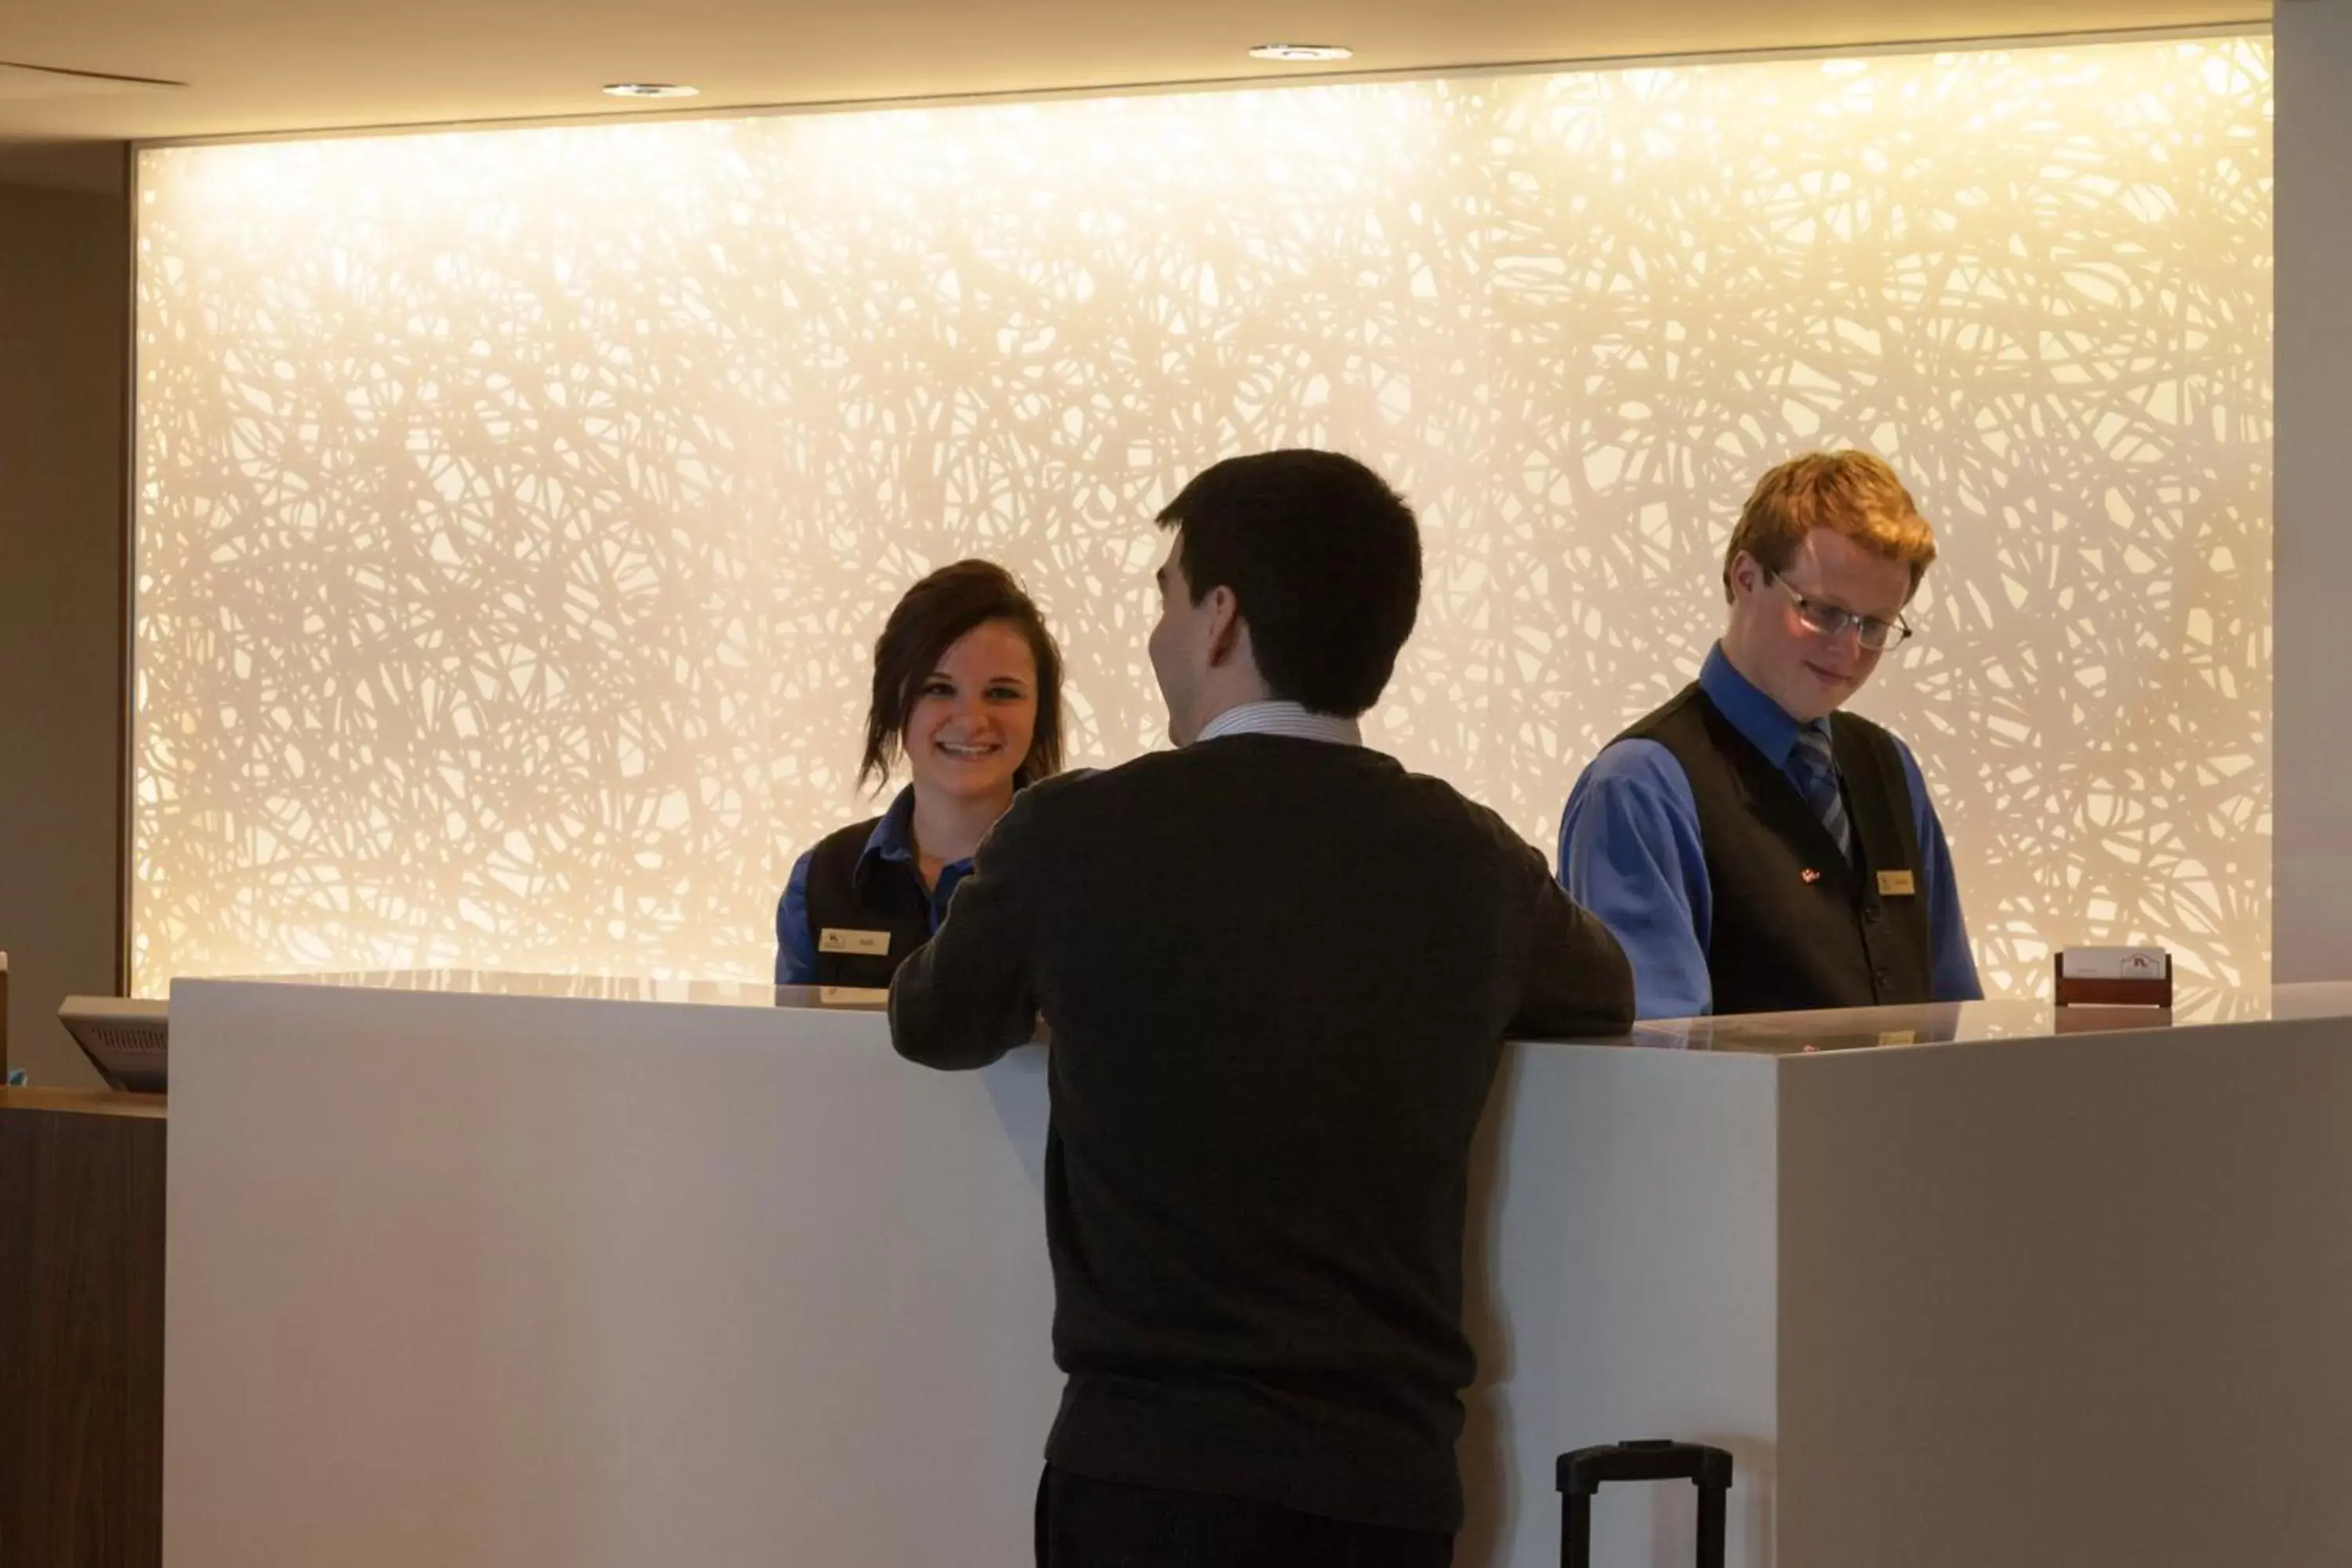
1895 885
837 938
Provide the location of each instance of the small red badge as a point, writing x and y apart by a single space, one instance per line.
1812 876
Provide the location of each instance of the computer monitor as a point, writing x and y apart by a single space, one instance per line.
125 1038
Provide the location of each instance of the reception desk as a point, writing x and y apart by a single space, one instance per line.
480 1270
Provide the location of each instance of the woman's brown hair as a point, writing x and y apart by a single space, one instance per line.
926 621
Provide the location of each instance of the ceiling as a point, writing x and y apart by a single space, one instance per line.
254 66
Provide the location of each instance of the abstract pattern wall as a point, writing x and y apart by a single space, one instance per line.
516 510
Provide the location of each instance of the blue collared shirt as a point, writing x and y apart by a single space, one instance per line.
893 839
1630 851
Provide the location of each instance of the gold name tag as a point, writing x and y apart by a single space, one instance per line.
836 939
1895 885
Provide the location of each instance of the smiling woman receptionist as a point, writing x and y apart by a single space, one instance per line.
968 688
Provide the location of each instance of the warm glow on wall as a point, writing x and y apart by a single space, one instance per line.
517 508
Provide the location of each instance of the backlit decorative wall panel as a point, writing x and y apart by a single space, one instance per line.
516 510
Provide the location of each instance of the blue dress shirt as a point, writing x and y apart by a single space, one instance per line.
1630 851
893 839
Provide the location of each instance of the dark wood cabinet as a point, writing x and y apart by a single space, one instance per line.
81 1330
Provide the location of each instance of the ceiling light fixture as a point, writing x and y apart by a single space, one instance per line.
650 89
1298 52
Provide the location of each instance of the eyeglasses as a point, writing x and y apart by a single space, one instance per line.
1828 620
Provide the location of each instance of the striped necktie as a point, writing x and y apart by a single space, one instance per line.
1814 771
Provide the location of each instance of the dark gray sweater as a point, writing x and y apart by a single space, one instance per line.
1277 973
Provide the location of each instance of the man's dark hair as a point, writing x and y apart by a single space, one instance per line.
1324 559
926 623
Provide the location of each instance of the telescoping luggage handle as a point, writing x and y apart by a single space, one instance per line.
1586 1470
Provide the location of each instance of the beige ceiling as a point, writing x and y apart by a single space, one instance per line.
289 65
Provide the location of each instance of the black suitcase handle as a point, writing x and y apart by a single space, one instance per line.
1586 1471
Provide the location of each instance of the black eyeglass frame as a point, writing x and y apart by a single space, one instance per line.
1831 620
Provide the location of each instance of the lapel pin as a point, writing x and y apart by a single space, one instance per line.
1810 876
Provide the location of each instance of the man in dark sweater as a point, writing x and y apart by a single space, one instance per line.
1278 969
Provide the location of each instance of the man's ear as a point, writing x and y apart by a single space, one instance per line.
1745 572
1224 612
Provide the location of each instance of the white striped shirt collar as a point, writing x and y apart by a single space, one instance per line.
1282 719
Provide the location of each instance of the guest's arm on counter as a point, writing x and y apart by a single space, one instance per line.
1577 982
795 944
965 997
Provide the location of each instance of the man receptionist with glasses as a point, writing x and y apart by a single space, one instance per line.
1751 847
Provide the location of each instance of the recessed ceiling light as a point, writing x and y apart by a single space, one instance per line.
1301 52
650 89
